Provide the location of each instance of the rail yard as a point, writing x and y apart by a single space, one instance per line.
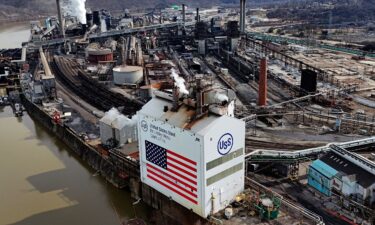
201 116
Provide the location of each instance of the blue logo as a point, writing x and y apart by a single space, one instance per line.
144 125
225 144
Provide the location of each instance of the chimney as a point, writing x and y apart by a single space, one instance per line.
61 19
183 14
176 96
242 15
262 101
198 19
199 97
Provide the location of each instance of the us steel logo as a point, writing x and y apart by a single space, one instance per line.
144 125
225 144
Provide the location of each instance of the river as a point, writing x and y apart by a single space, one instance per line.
42 182
12 35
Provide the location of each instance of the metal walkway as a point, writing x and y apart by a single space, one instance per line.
60 41
307 154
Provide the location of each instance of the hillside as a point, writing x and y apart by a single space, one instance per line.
351 10
340 11
15 10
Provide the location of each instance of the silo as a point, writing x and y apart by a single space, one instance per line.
96 54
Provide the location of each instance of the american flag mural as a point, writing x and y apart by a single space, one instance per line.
173 171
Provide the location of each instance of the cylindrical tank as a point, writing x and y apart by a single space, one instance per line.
108 22
127 75
89 19
96 18
96 55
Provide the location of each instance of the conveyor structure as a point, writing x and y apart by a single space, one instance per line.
308 154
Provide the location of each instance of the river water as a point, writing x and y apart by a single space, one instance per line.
12 35
42 182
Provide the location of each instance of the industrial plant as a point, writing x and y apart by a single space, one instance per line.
206 115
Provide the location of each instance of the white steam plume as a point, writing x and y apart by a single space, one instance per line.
112 114
179 82
221 97
76 8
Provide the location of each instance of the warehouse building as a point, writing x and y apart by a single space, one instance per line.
321 177
335 173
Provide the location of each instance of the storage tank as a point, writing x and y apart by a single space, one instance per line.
96 55
127 75
309 81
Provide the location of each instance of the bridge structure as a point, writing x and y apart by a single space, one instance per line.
108 34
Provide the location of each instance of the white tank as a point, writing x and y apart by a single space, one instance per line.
127 75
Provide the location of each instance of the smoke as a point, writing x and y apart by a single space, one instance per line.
221 97
76 8
179 82
134 120
112 114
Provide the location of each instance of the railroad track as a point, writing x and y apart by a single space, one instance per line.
71 75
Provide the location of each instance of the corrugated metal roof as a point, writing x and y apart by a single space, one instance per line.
324 169
363 177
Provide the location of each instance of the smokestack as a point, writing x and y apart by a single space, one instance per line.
61 19
183 14
176 97
262 101
199 97
198 19
242 15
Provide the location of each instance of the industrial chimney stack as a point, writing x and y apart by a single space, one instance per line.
197 16
242 15
262 101
183 14
61 20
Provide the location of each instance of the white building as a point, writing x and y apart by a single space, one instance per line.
354 179
115 126
192 152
